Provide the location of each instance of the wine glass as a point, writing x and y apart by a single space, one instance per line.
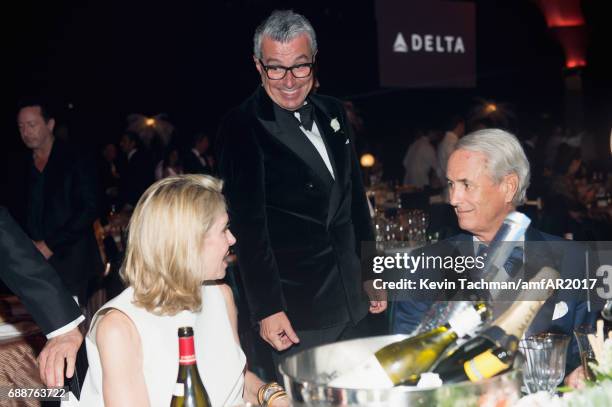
545 356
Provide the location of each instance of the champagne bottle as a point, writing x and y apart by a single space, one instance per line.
405 360
493 351
401 362
189 390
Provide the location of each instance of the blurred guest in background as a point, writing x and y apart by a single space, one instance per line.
109 177
138 172
565 182
570 197
555 138
170 164
198 160
456 130
420 161
62 202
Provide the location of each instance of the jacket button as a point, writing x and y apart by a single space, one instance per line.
309 185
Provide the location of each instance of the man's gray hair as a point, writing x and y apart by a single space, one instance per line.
504 155
283 26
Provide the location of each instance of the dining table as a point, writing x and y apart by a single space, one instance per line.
21 340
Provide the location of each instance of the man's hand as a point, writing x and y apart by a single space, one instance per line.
378 298
576 379
376 307
277 331
43 249
51 359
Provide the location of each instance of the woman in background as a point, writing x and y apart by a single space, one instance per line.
170 165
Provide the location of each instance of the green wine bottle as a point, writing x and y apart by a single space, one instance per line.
493 351
405 360
189 390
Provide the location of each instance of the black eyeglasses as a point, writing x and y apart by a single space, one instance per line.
277 72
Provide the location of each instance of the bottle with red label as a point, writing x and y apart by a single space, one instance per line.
189 390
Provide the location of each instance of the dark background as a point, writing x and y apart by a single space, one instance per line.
192 61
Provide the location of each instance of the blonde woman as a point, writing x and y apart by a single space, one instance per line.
177 245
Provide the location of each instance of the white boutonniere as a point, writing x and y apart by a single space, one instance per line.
335 124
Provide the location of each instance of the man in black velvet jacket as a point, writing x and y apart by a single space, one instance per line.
296 199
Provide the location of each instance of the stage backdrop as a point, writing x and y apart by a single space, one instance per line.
426 43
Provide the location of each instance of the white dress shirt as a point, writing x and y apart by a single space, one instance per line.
66 328
317 141
199 157
418 161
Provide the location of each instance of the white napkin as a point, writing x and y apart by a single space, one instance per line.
17 329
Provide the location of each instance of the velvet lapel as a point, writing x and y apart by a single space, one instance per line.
335 145
285 129
334 141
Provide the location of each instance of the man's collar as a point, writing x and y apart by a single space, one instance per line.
263 107
477 240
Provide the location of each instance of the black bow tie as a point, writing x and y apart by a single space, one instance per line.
306 116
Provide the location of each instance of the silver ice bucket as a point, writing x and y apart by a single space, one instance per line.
306 375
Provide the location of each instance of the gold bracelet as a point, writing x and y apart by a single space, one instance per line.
266 391
274 396
260 394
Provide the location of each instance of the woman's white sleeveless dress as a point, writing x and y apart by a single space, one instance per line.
220 359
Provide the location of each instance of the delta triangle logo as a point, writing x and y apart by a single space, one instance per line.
400 44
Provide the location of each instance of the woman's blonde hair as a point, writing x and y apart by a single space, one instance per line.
163 261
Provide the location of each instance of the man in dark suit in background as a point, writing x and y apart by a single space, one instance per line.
196 160
38 286
296 198
138 172
62 199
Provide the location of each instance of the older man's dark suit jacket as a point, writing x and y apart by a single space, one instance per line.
32 279
298 229
70 207
565 256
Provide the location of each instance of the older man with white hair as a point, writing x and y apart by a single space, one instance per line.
488 176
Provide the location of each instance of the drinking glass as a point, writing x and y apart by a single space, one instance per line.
587 355
545 356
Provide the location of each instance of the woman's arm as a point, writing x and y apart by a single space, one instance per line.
252 383
120 351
